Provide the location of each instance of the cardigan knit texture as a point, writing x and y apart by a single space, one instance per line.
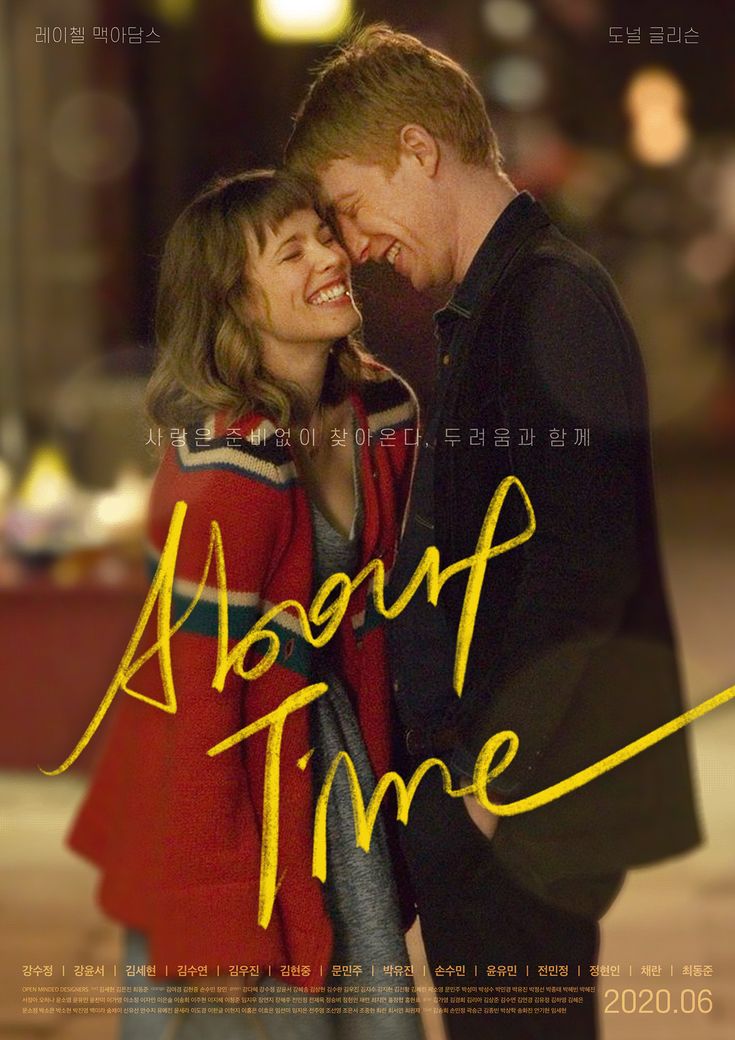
177 833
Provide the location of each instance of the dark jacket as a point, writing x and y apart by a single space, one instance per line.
573 646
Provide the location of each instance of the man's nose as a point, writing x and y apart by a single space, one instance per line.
356 243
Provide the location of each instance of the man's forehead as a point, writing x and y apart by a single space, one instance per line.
343 178
339 179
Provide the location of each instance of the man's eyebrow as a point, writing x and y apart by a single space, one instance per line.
343 197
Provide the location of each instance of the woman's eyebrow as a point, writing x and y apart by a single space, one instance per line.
296 237
299 236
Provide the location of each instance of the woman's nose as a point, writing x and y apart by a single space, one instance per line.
325 262
331 255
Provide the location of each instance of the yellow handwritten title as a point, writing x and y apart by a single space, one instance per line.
325 614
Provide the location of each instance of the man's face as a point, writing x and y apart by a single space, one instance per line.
397 218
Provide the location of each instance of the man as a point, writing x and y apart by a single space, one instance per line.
540 377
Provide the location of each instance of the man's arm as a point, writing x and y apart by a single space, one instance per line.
568 361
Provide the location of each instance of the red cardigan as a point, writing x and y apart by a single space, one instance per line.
176 833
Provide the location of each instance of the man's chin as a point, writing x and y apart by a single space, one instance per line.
419 281
425 283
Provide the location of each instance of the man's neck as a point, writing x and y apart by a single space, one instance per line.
481 196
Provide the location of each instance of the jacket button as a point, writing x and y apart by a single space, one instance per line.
446 359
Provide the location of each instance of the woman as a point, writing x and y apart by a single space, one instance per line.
296 444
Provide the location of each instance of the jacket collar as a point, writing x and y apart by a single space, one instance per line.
520 218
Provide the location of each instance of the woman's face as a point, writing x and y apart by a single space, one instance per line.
300 291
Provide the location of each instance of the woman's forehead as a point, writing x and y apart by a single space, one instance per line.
300 223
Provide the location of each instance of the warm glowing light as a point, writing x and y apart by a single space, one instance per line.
654 88
124 506
293 21
47 484
659 139
656 104
175 12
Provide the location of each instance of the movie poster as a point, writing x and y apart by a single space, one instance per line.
113 114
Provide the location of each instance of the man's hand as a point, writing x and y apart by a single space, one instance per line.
485 821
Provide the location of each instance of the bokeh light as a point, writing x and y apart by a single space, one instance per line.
655 102
517 82
175 12
710 257
93 136
292 21
508 19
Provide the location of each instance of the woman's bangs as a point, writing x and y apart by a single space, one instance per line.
288 195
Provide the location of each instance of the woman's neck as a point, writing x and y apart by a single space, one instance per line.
304 365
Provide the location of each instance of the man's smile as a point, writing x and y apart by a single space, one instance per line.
391 254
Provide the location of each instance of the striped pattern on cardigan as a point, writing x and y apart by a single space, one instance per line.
176 833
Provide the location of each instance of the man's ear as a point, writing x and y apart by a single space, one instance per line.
417 143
